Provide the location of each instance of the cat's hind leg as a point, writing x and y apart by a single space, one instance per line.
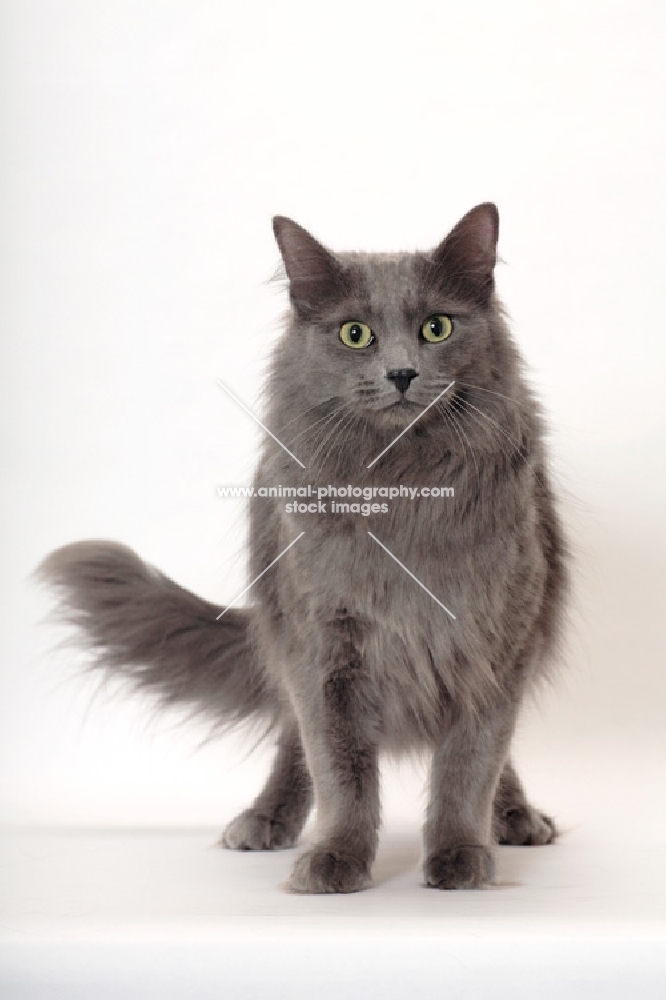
277 816
515 821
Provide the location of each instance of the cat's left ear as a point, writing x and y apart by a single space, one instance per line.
465 260
315 274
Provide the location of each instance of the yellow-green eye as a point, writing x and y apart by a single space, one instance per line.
355 334
436 329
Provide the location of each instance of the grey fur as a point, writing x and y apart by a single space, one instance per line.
341 651
141 625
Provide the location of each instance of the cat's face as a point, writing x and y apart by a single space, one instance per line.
384 334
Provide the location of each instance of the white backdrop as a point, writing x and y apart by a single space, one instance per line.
146 146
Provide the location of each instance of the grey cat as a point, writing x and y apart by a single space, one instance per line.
344 653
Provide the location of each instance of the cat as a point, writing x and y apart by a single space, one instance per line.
420 626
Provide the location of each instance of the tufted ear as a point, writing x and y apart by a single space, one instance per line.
465 260
315 274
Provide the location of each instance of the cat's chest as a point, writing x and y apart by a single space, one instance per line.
432 604
414 577
399 573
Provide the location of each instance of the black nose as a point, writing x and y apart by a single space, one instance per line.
402 377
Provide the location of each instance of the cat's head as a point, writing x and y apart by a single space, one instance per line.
384 334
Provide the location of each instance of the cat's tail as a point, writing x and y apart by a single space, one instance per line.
140 625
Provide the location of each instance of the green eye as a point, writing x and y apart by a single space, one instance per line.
356 335
436 329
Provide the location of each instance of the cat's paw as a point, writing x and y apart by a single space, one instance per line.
256 831
321 870
524 826
468 866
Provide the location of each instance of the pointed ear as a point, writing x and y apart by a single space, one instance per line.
315 275
465 260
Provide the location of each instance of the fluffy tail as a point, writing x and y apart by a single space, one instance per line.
141 625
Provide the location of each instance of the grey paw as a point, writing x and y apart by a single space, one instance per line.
321 870
524 826
468 866
256 831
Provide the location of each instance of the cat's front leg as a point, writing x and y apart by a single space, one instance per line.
339 719
466 767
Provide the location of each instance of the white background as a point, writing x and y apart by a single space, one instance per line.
146 146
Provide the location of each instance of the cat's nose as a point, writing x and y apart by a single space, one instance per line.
401 377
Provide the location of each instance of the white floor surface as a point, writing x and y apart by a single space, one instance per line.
99 914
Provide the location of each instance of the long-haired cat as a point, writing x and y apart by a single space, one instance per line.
417 624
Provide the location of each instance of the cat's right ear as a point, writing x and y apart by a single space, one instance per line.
315 275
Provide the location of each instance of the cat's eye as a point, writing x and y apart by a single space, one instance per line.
356 335
437 328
